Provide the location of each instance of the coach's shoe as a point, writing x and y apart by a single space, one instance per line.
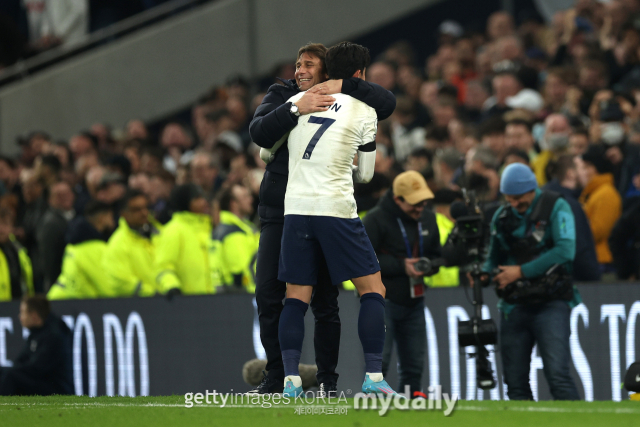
266 386
371 386
327 390
292 386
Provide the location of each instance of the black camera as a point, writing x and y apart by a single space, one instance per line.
425 265
466 248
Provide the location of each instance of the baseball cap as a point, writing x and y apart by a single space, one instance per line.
411 186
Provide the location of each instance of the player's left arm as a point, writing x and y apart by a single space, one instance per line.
363 172
366 151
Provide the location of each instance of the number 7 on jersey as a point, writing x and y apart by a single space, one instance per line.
324 125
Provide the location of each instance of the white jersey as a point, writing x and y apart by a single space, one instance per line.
321 151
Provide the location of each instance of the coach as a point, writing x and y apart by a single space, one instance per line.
402 231
273 119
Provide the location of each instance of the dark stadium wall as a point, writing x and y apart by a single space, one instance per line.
194 344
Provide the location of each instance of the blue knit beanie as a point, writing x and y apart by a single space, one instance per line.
517 179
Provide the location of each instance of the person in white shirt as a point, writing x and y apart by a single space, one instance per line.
321 219
53 22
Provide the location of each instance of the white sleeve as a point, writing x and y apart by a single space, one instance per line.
267 154
366 165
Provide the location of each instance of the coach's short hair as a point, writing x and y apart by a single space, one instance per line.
315 49
345 58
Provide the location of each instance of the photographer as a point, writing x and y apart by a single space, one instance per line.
403 233
533 247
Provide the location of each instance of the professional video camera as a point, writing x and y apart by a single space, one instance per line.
466 249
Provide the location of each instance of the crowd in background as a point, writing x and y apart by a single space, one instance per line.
562 98
29 27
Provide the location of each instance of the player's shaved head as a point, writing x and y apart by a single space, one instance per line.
345 59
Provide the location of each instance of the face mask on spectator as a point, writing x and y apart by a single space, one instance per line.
612 133
557 141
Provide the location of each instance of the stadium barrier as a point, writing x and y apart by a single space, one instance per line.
191 344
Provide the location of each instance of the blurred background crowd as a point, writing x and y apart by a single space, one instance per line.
563 98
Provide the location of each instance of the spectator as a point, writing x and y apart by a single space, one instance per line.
384 74
204 171
565 181
554 144
178 141
32 146
515 155
16 278
129 257
235 241
34 208
407 134
182 251
50 234
445 165
160 192
625 157
624 243
55 22
44 366
518 135
82 144
492 136
602 203
578 142
419 160
82 275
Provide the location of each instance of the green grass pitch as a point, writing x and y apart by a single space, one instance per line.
69 411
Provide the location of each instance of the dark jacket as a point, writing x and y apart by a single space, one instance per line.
386 237
47 355
585 264
51 242
625 172
624 243
272 120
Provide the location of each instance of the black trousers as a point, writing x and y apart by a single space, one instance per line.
270 293
14 382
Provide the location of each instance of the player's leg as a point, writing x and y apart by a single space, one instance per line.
349 255
291 335
371 330
324 305
298 267
269 295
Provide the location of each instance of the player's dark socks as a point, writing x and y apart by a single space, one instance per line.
371 330
291 334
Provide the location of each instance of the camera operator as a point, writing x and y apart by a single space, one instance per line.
533 247
404 234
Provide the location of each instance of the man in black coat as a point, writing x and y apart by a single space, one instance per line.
565 182
402 231
50 234
273 119
44 366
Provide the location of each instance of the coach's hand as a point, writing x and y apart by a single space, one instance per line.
410 269
312 102
327 88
